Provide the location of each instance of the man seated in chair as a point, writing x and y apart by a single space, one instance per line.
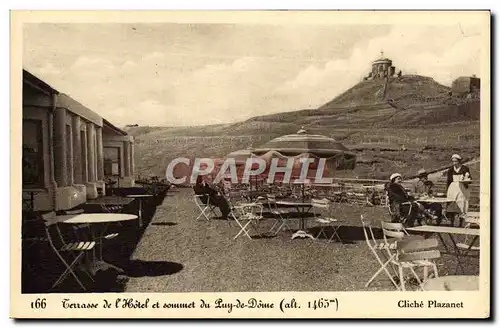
212 196
424 188
403 207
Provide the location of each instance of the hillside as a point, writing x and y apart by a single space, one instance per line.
414 88
400 125
403 101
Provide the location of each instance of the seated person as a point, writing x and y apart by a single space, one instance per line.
212 195
423 188
401 204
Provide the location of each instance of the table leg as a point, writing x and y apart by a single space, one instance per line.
140 213
457 253
464 253
443 242
99 263
301 233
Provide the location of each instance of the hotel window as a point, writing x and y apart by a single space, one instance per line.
33 173
111 161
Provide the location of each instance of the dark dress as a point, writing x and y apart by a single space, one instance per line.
461 172
401 204
211 196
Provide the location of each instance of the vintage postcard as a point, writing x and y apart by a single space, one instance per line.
252 164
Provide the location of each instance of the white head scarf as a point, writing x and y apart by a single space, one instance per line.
395 175
456 156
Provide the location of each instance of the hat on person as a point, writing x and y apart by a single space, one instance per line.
395 175
421 172
456 156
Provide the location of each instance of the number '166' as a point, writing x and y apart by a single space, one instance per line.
39 304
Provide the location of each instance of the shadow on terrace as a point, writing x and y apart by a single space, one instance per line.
41 266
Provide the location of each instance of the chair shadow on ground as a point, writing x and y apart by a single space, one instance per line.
136 268
113 281
348 234
220 218
167 224
263 236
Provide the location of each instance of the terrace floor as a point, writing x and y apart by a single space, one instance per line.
179 254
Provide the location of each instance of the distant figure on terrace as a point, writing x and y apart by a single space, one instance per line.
211 194
458 179
403 206
424 188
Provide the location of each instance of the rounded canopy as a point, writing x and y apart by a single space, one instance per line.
310 145
240 156
302 142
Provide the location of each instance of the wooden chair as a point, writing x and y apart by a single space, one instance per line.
70 251
278 213
469 242
471 222
338 193
203 203
83 230
410 252
108 208
378 250
246 215
321 207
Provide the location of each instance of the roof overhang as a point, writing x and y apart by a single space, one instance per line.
112 128
38 84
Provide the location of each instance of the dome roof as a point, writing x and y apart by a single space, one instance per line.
382 61
302 142
241 155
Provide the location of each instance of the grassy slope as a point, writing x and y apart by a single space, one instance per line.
380 151
414 113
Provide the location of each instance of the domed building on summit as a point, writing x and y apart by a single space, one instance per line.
382 68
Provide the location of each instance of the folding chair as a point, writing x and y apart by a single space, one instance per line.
410 253
377 249
108 208
468 245
112 208
320 206
69 253
384 200
245 215
338 194
28 203
278 213
471 222
203 204
226 187
104 237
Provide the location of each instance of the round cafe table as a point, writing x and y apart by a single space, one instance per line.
301 208
437 200
139 199
452 283
93 219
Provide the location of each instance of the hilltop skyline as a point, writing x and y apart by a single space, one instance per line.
200 74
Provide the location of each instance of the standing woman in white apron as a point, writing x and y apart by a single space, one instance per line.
457 189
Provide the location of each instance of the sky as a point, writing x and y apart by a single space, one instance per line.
172 74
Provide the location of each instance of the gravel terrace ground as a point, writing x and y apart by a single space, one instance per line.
203 257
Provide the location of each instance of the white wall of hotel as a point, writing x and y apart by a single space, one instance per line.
71 139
